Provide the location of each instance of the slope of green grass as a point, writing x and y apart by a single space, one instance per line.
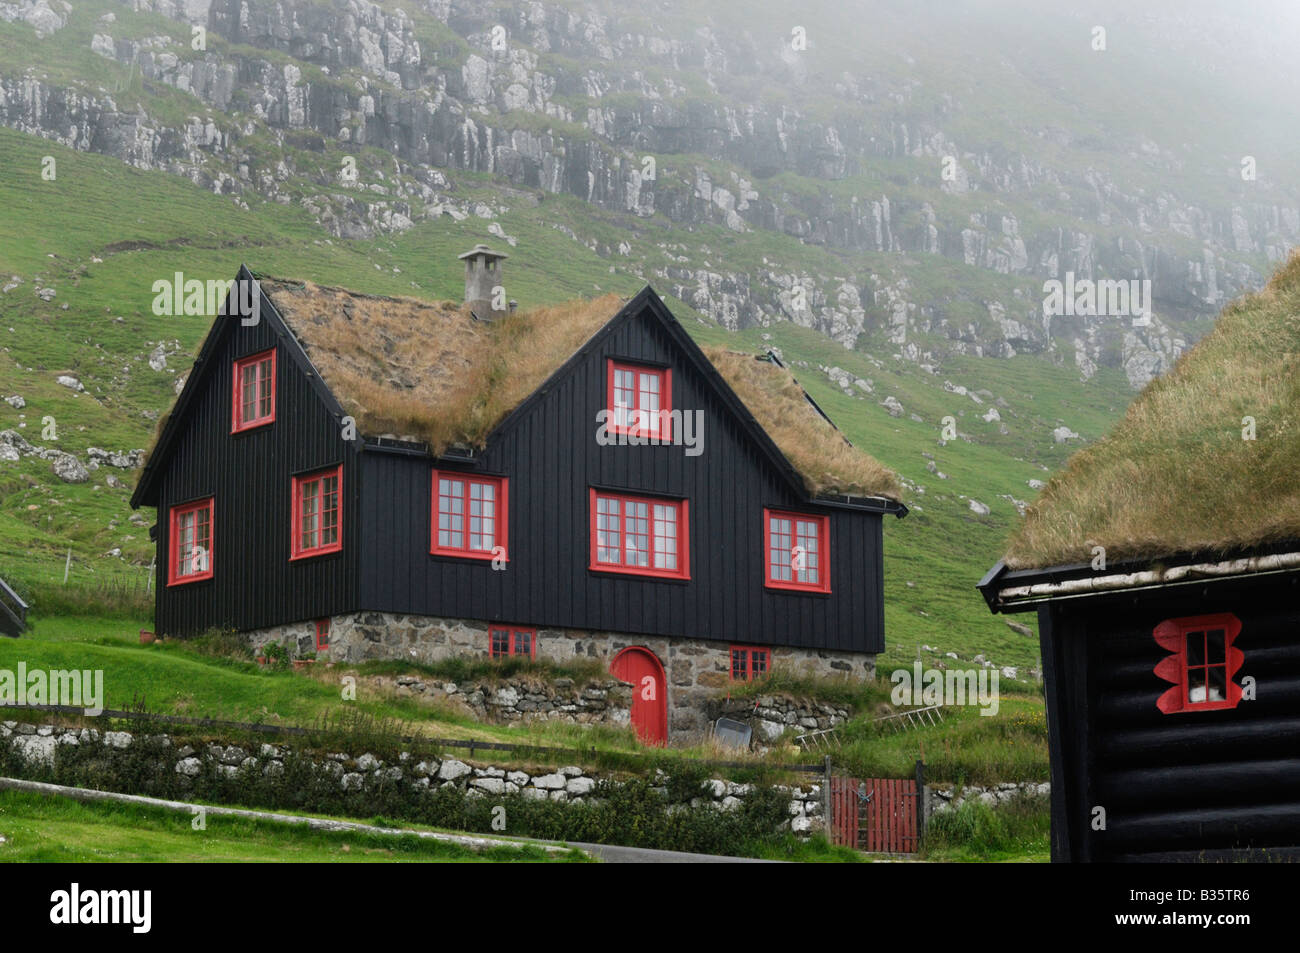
144 226
42 829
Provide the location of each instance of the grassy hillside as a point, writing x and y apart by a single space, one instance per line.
102 233
37 828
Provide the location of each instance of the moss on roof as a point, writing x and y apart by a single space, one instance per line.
1175 475
429 372
822 455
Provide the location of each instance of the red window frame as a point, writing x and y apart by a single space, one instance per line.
504 640
1184 670
238 422
322 635
615 385
820 559
174 576
297 550
651 535
749 662
500 515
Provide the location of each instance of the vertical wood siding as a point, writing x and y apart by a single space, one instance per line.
551 457
249 475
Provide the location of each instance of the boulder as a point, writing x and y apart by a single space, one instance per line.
580 786
68 468
453 769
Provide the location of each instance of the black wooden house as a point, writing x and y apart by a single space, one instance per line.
375 477
1164 565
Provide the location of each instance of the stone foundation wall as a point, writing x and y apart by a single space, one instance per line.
697 670
530 699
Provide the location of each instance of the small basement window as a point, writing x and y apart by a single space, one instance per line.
322 635
469 515
798 551
191 542
1201 663
638 399
254 392
317 513
748 663
508 640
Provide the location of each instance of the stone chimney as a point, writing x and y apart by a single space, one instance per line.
482 279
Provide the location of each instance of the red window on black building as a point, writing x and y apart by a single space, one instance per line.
1201 663
748 663
638 400
639 535
191 543
469 515
254 392
797 547
509 640
317 513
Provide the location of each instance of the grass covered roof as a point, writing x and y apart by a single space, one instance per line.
430 372
1176 474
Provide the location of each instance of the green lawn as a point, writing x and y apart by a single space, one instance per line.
54 829
178 678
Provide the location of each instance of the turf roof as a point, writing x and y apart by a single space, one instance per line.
431 372
1176 475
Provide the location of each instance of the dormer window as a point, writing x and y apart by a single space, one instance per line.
254 392
639 399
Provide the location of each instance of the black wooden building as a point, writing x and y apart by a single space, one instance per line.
1173 704
1163 562
300 508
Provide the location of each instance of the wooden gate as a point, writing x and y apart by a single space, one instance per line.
876 814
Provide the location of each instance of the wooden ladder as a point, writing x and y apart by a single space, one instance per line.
13 611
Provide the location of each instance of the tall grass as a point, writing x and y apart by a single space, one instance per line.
1179 474
1018 828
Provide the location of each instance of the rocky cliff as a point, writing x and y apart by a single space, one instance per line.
862 200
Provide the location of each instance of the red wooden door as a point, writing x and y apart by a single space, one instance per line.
642 669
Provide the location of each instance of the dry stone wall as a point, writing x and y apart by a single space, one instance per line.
37 745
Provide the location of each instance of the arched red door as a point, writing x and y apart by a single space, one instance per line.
642 669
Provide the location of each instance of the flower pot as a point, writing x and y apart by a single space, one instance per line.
147 637
301 663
